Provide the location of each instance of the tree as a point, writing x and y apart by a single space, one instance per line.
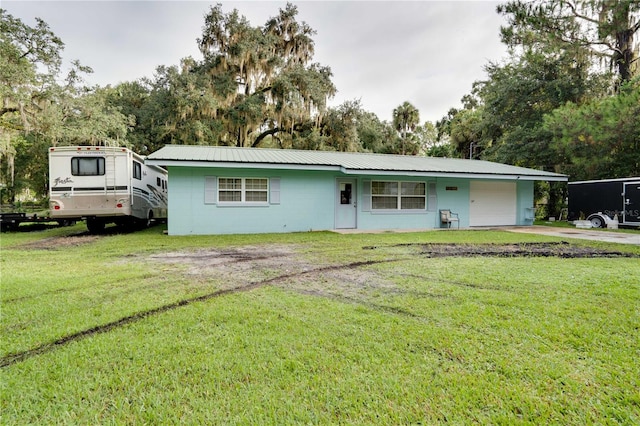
340 125
515 99
374 135
466 133
262 77
506 122
426 137
601 138
405 119
41 108
29 61
599 29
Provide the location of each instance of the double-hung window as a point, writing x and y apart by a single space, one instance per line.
242 190
390 195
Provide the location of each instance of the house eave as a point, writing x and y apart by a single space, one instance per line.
462 175
355 172
244 165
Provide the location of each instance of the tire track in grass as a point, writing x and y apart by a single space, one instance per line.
94 286
495 250
15 358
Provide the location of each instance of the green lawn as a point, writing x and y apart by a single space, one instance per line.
313 328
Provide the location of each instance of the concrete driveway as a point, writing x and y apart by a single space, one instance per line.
583 234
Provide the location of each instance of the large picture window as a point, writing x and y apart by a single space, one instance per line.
243 190
87 166
398 195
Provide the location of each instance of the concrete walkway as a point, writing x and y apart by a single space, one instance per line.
582 234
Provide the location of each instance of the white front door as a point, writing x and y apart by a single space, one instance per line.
492 203
346 203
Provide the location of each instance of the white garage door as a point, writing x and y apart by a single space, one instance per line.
492 203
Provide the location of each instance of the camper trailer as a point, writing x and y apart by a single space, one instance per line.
603 201
105 185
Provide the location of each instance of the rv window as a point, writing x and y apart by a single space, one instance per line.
137 170
158 182
87 166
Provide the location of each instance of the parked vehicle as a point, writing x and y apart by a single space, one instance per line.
105 185
601 201
10 221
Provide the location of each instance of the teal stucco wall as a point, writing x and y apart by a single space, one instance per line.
307 202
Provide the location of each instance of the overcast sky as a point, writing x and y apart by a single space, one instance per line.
381 52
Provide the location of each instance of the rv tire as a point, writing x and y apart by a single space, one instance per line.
95 226
147 223
127 224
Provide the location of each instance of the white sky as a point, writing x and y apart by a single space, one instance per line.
381 52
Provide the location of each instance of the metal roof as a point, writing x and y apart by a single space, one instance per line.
346 162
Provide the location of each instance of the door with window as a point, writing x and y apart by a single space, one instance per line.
346 205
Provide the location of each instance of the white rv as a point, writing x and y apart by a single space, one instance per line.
105 185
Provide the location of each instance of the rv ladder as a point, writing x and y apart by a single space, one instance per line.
110 172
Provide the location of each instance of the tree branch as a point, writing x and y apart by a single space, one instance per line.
581 16
7 110
264 135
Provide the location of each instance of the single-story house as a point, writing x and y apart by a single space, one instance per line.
226 190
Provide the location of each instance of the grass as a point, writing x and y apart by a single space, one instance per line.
402 340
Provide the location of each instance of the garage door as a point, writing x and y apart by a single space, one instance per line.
492 203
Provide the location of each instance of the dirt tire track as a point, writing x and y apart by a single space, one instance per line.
84 287
18 357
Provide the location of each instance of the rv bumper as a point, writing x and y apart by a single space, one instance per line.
59 210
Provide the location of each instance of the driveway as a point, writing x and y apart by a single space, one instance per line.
582 234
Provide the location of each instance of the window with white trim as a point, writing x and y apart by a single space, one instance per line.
242 190
389 195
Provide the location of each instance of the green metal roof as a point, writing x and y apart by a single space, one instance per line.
349 163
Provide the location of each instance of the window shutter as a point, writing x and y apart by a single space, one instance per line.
365 204
210 190
433 197
274 188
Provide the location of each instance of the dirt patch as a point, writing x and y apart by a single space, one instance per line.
57 243
231 266
283 266
201 260
276 265
560 249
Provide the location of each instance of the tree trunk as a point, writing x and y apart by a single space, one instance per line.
623 57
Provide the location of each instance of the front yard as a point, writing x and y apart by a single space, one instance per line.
320 328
